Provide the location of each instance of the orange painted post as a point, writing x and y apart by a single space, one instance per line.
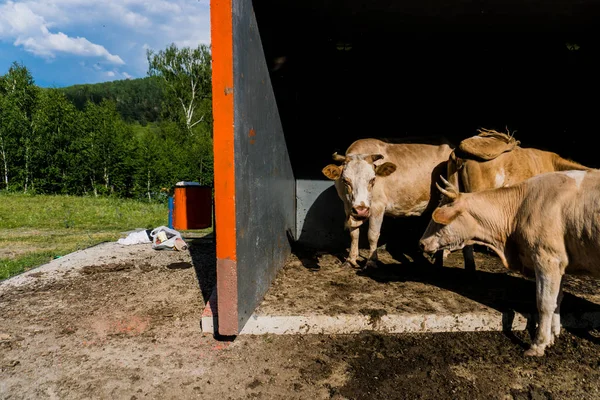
221 21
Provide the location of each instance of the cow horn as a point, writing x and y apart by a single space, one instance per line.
450 191
450 195
337 157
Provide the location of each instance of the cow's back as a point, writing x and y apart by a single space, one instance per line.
561 212
407 192
507 169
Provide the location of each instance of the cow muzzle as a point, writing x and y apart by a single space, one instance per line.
360 212
428 246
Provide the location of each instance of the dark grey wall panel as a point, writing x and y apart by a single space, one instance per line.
265 188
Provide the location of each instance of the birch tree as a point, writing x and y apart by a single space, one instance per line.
187 75
56 158
3 138
107 145
20 94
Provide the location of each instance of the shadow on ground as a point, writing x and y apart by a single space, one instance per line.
204 259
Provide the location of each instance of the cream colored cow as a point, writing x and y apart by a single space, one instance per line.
496 160
548 224
378 178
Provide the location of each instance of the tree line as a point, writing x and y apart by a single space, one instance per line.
137 100
132 138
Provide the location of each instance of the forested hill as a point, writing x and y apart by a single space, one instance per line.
136 99
130 138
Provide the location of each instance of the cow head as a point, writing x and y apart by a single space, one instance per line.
358 173
450 227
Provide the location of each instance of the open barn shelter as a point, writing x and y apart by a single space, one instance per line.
294 81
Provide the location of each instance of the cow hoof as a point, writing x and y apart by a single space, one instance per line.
535 351
350 264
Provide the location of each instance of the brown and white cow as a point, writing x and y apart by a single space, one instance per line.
547 225
380 178
473 175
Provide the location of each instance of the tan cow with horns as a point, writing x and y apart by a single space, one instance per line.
494 159
548 224
380 178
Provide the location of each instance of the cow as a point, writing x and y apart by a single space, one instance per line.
386 177
493 159
545 226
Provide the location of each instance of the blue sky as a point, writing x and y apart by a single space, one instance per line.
66 42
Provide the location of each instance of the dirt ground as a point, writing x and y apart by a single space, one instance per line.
122 322
314 283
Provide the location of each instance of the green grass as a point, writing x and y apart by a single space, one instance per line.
34 229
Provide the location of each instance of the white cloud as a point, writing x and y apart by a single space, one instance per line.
110 73
18 18
30 30
127 76
133 19
160 7
50 43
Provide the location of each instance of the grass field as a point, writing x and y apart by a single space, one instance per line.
34 229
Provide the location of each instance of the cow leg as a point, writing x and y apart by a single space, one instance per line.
375 222
547 290
351 260
556 315
469 259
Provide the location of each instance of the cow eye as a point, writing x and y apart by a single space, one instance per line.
372 181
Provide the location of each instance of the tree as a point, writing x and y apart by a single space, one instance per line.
4 144
149 162
187 75
107 148
136 99
55 154
18 130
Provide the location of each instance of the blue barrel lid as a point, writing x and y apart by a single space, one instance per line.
186 183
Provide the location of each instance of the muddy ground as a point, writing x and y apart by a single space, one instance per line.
122 322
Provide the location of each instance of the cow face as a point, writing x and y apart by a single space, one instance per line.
358 174
451 227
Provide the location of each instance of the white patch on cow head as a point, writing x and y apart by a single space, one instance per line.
358 177
578 176
500 176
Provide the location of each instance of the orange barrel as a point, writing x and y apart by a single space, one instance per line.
192 206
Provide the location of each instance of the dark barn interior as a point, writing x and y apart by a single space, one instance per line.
412 68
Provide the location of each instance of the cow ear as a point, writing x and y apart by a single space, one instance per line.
385 169
332 171
445 215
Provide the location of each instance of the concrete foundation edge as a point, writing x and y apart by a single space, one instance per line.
395 323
